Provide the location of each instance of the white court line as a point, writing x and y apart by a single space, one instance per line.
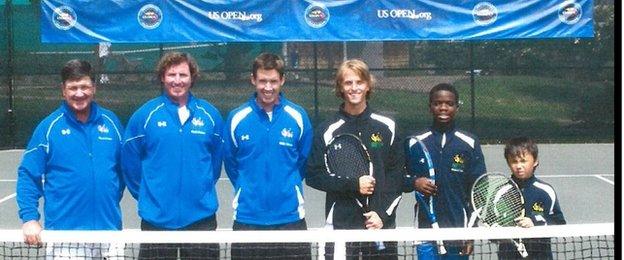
7 198
605 179
573 175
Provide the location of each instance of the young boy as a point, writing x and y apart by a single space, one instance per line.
540 200
458 162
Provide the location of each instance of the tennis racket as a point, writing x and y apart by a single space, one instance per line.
347 157
497 201
419 154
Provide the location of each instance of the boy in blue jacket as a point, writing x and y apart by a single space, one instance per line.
458 162
541 205
75 150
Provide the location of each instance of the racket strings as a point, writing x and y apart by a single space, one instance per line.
346 157
497 201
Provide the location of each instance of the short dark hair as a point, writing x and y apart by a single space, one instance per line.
444 87
76 69
268 61
518 145
175 58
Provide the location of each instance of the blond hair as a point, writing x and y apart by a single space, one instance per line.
360 68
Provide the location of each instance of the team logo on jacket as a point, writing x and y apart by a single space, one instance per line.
197 122
161 123
538 207
458 163
376 141
65 131
102 129
287 137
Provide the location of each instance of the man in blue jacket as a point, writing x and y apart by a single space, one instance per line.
267 140
172 158
75 150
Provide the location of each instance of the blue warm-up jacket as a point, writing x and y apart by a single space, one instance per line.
265 161
79 163
170 168
458 162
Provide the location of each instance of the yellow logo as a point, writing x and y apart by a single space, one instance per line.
376 140
458 159
537 207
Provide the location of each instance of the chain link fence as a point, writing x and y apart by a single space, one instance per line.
555 90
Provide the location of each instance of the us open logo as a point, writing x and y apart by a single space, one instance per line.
316 15
570 12
484 13
150 16
64 18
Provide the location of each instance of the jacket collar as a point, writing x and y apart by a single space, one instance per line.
169 102
439 130
256 107
94 113
365 114
524 183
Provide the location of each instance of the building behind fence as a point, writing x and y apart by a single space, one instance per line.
555 90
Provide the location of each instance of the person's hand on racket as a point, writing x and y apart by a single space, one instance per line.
31 230
367 185
524 222
373 221
425 186
467 249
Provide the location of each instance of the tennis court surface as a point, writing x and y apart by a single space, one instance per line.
585 190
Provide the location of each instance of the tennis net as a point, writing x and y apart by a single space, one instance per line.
578 241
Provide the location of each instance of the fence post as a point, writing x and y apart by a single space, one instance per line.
8 9
472 87
316 105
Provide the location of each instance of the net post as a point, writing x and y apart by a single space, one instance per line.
340 250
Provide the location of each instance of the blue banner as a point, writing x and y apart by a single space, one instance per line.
122 21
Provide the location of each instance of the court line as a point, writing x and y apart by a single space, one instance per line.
13 180
7 198
605 179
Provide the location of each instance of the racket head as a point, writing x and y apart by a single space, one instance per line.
497 200
420 157
347 157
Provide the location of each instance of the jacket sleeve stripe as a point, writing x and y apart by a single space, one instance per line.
115 126
298 118
551 194
423 136
47 145
236 119
134 137
393 206
329 133
208 114
151 113
387 121
469 140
